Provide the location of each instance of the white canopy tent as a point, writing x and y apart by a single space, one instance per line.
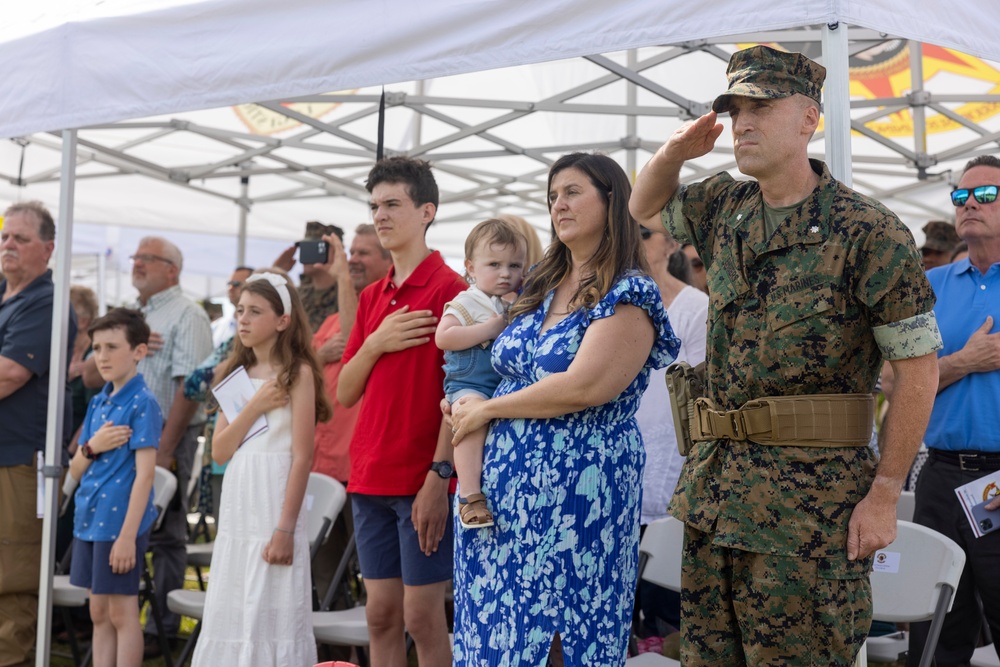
97 63
491 136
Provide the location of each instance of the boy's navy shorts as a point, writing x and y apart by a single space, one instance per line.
388 546
91 567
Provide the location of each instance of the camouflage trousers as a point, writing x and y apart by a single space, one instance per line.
743 608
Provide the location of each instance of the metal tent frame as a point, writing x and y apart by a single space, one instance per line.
488 160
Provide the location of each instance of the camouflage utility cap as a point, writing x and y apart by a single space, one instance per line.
765 73
940 236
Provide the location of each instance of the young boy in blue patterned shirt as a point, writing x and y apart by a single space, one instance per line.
114 501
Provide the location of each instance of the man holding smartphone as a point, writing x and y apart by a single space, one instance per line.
317 287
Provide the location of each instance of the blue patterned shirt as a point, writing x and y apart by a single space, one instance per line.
103 495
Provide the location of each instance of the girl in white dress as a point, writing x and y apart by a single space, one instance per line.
257 611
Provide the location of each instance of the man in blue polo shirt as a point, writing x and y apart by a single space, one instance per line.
963 437
26 243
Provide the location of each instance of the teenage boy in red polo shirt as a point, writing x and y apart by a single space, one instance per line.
401 453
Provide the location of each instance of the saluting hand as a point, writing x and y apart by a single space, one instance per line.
693 139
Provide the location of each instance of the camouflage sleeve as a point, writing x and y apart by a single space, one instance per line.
909 338
673 218
890 279
689 216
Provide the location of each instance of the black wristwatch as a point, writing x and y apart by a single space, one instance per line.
444 469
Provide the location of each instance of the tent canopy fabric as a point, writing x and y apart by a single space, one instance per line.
491 136
75 64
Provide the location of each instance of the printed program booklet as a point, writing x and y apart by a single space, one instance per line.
974 496
233 394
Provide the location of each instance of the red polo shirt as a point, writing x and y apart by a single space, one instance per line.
397 428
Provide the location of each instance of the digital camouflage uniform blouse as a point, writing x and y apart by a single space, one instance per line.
812 310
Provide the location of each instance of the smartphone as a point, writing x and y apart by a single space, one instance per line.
313 252
988 520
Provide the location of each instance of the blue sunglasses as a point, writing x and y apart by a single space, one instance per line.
984 194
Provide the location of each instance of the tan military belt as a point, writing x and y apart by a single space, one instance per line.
816 420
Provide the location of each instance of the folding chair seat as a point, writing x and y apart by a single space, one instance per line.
660 554
985 656
325 498
914 579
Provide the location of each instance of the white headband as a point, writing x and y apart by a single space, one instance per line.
280 286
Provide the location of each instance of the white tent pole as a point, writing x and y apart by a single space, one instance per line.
418 120
102 278
837 102
241 249
631 127
57 396
918 96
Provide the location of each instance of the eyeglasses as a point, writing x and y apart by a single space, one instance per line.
146 259
235 283
984 194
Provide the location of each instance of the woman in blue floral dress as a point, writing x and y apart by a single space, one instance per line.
564 458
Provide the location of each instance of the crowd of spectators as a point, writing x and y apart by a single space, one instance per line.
581 449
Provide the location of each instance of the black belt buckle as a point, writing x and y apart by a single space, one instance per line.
973 462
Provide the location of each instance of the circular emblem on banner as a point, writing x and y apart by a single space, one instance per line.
883 71
264 121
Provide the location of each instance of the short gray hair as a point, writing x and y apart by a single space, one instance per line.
170 251
46 226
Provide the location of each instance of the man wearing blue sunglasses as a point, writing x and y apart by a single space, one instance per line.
963 437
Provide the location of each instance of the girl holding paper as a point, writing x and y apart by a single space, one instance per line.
257 611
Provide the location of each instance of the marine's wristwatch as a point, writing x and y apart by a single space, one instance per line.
444 469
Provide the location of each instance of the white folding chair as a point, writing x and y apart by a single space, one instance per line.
65 596
914 579
985 656
660 554
905 506
341 627
325 498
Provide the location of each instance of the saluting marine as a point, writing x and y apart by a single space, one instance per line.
811 285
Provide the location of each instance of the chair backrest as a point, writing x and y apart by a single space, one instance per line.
324 500
199 455
904 508
910 574
164 486
663 546
68 489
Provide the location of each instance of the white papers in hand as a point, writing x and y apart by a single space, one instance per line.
233 394
974 496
